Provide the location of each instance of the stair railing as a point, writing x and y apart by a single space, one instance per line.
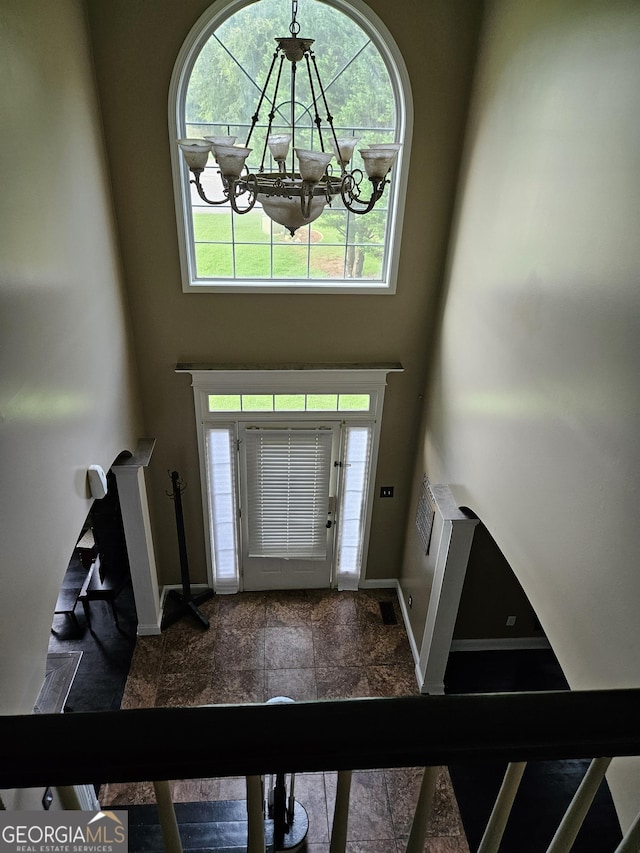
430 731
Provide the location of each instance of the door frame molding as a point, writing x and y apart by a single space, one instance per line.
209 379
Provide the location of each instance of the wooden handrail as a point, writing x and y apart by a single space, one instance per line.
241 740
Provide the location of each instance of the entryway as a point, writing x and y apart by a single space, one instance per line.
288 459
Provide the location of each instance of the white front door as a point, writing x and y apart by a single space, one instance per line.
289 481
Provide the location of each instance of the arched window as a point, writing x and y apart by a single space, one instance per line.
215 89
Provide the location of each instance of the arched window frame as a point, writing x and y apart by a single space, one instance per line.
212 18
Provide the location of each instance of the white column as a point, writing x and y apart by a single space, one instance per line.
452 535
132 491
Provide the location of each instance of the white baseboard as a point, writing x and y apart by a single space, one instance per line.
500 644
379 583
149 630
415 651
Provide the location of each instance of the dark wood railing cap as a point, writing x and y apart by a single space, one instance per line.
238 740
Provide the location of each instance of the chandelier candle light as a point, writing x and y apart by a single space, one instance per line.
292 197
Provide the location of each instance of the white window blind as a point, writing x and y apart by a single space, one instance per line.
288 473
223 513
351 527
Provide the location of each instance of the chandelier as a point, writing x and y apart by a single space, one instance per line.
292 196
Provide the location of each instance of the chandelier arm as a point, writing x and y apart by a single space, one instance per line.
305 202
201 192
256 115
350 194
238 187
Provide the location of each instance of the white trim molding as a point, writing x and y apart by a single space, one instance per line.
208 379
496 644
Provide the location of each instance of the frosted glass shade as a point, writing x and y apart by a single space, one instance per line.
312 164
279 145
287 211
231 159
344 151
377 162
221 140
388 146
195 152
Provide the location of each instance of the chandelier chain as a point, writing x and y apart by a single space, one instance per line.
294 26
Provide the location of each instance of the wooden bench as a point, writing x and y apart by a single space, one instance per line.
102 586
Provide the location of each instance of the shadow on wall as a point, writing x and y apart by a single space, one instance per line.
493 604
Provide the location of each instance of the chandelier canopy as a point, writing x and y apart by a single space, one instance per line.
292 196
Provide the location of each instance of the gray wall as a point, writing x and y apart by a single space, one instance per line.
533 411
67 397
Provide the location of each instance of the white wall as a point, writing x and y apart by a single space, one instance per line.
65 387
534 409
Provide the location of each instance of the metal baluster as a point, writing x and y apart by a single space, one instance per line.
255 815
341 813
421 816
502 808
167 815
578 807
631 841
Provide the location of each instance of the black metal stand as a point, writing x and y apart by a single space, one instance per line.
185 604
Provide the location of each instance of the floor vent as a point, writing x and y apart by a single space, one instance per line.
388 613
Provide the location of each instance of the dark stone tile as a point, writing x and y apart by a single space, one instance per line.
244 610
367 606
310 792
180 689
392 680
403 787
239 648
369 813
124 794
384 845
237 686
147 656
139 693
342 682
339 645
297 684
189 648
226 788
439 844
288 608
288 648
385 645
332 608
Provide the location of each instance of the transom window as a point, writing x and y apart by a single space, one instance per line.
289 402
215 87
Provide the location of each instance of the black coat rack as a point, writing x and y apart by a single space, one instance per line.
184 603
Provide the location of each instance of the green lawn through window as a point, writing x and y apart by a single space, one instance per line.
256 256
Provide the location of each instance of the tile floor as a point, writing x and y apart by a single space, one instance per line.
305 645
